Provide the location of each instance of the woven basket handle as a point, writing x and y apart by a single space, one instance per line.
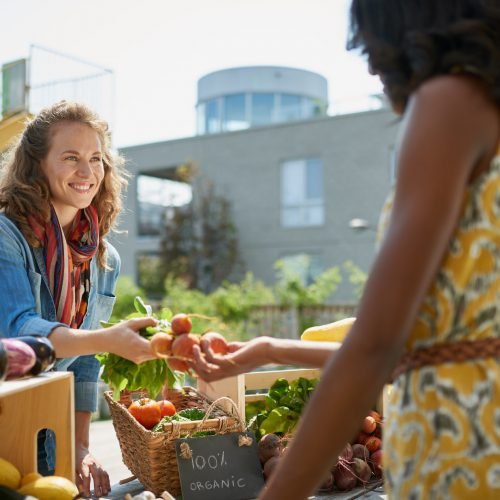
213 405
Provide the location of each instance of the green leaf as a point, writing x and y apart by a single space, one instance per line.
280 420
141 307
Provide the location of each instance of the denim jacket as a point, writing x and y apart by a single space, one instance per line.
27 307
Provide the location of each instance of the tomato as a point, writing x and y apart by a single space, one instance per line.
167 408
146 411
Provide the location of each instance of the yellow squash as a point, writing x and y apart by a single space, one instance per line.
50 488
331 332
9 474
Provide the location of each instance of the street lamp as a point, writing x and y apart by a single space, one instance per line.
358 224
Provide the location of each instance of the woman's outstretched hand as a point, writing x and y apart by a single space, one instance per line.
124 340
241 358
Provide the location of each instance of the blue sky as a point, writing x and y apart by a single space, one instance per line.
158 49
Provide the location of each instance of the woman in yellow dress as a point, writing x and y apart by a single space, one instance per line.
430 314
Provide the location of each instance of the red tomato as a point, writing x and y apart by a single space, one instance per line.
146 411
167 408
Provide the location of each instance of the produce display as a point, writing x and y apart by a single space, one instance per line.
33 486
274 420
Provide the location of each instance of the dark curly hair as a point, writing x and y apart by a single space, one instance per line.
410 41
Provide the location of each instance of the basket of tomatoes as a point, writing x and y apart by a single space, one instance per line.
147 428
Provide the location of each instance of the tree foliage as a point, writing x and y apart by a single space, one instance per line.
200 242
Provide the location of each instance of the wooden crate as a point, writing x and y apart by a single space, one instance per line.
236 387
28 405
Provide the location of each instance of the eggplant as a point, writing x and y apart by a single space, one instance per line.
4 359
21 358
44 351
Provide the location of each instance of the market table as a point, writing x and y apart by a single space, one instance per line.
373 492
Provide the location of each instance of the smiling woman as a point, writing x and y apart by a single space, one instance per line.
60 194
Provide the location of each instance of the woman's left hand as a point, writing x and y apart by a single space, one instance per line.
87 468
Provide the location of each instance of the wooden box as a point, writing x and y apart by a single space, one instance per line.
28 405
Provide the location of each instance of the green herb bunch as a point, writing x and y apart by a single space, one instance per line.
279 413
120 373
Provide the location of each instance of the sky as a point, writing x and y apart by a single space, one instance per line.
158 49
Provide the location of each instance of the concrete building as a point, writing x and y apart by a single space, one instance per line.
294 187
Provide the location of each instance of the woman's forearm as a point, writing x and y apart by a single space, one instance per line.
299 352
69 342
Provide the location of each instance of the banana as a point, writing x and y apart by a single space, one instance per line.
331 332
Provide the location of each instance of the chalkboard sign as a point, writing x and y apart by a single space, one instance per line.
219 467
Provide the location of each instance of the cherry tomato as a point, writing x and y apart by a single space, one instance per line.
146 411
167 408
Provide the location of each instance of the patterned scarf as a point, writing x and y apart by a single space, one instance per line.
67 261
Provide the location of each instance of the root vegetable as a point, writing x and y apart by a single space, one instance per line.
181 323
182 348
376 463
269 446
344 477
361 438
216 342
346 453
270 466
376 416
373 444
369 425
362 470
161 344
360 451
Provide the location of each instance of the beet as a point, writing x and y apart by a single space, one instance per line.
344 477
362 470
360 451
270 465
346 453
269 446
376 463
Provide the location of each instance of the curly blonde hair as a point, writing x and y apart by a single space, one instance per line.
23 185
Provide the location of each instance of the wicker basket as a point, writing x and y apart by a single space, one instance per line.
151 456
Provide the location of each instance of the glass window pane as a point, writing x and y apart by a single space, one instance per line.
200 119
314 180
290 107
212 117
234 112
154 196
292 182
262 108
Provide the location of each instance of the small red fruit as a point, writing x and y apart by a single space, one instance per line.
167 408
181 323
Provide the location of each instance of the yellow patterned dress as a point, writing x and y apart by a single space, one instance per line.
442 431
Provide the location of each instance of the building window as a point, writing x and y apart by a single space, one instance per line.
302 201
235 112
155 195
290 108
262 108
212 117
306 266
